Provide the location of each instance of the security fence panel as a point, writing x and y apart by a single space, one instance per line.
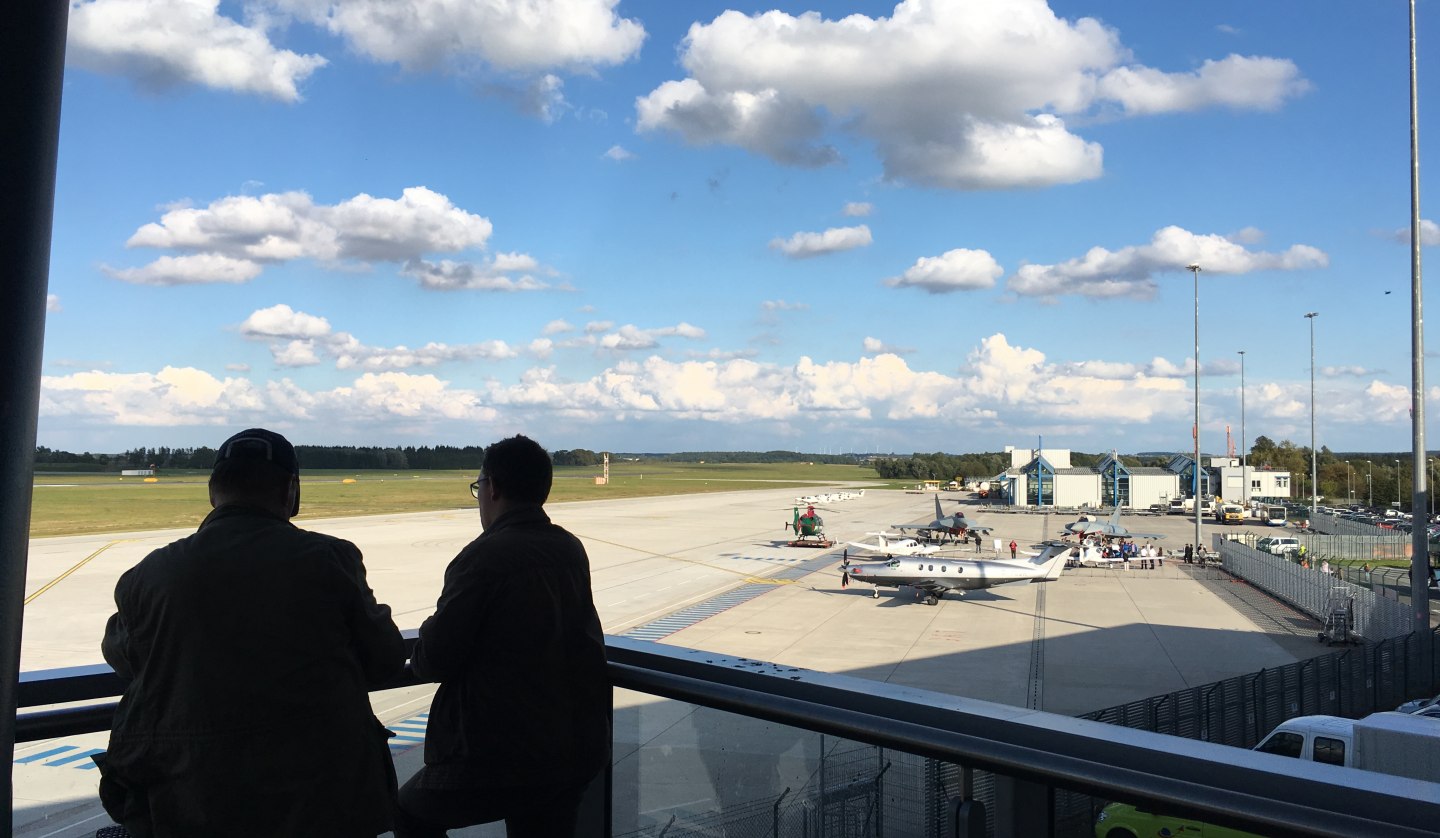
1371 616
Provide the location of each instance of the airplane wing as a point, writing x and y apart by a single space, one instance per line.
869 548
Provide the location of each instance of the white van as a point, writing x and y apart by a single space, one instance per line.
1328 739
1399 744
1279 545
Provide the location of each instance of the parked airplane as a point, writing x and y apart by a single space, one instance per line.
892 544
943 526
1110 529
934 576
1090 554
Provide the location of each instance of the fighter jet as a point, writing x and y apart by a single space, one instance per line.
934 576
944 526
1110 529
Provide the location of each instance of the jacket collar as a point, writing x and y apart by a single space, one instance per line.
241 510
519 516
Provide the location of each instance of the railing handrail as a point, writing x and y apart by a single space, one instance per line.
1217 783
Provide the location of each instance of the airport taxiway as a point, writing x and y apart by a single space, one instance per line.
1092 639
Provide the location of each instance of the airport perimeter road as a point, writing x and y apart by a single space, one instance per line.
1092 639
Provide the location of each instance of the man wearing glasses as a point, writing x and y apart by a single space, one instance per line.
520 723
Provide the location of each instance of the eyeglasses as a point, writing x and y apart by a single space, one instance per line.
475 487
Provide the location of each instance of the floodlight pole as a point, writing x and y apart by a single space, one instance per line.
1244 477
1314 459
1419 536
1194 270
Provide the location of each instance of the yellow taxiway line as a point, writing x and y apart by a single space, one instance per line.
58 579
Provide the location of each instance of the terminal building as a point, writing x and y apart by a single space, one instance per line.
1044 477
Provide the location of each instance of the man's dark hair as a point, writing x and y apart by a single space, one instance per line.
520 469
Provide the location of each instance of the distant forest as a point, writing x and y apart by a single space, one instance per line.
1380 478
447 457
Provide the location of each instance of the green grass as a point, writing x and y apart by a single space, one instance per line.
75 504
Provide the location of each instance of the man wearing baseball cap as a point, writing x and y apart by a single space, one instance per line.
249 649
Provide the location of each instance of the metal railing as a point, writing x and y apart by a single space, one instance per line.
1033 755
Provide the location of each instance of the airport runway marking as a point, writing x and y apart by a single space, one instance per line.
61 757
58 579
409 733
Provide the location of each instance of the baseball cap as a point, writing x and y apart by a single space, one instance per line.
259 444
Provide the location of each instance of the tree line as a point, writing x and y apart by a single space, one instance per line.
438 457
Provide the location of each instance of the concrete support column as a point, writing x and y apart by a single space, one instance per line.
32 62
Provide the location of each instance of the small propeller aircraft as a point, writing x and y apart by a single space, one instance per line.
809 529
944 526
934 576
1109 529
901 545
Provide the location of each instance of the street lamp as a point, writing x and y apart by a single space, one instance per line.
1397 485
1194 270
1244 476
1314 461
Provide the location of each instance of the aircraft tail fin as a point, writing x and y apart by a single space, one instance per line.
1052 562
938 513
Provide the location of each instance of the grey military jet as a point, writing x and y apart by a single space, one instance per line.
944 526
1109 529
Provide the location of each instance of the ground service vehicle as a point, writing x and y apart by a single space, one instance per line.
1279 545
1399 744
1275 516
1230 513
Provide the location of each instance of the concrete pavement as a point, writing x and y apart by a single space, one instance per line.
1092 639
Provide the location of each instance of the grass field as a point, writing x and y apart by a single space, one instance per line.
74 504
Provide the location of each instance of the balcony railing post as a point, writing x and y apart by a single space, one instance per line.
1022 808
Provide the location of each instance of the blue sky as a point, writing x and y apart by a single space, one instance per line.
657 226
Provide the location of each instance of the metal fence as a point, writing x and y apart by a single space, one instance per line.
856 791
1377 545
1239 711
1374 617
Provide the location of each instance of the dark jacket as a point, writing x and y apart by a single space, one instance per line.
516 645
249 648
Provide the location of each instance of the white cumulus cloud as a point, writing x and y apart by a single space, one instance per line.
833 240
159 44
515 35
858 209
1129 272
954 270
233 238
281 321
959 95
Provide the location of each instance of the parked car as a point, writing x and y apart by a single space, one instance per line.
1121 820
